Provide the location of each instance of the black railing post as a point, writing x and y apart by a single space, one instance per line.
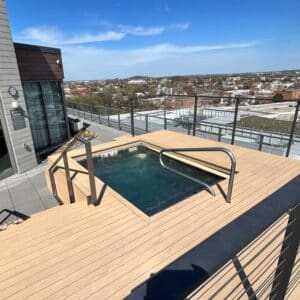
119 121
132 117
165 119
236 110
220 134
292 132
108 122
189 128
77 112
146 121
287 256
261 141
195 115
99 114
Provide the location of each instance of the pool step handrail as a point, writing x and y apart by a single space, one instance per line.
63 155
206 149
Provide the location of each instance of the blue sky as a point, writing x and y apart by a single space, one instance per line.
108 39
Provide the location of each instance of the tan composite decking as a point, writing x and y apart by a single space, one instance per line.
79 251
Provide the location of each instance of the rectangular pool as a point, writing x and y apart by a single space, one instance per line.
137 175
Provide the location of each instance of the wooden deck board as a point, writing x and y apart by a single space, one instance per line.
81 251
192 212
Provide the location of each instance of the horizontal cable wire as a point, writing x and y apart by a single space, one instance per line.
261 272
255 256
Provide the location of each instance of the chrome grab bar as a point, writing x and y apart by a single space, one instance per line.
90 166
207 149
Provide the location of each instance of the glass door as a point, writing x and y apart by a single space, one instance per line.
37 115
5 164
44 101
54 109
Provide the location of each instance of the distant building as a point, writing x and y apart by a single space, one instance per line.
290 94
137 81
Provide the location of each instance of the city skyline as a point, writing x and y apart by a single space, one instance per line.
162 38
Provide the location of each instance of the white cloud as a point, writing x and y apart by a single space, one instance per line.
163 50
44 34
141 31
52 36
95 62
180 26
97 37
85 61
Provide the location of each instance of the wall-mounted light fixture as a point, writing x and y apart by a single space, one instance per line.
15 104
13 92
58 61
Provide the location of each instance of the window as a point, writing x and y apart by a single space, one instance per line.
55 111
45 108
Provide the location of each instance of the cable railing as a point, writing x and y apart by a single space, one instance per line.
197 116
270 273
261 261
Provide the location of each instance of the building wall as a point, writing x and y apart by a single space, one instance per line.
290 94
19 142
38 63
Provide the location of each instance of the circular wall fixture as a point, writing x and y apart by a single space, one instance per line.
13 92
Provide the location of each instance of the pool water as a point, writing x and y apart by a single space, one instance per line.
137 175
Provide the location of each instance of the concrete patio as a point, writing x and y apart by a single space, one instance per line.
23 195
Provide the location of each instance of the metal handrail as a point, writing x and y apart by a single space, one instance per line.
71 143
90 165
207 149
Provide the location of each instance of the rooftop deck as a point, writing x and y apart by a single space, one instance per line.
83 251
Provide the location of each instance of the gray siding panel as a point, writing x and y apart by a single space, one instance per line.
4 46
4 65
22 159
4 29
3 23
3 16
6 83
4 40
4 32
7 75
6 53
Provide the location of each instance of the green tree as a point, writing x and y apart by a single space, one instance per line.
277 97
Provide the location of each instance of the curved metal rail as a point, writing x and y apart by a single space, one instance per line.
207 149
63 155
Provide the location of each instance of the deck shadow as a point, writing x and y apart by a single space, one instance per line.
210 255
159 286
